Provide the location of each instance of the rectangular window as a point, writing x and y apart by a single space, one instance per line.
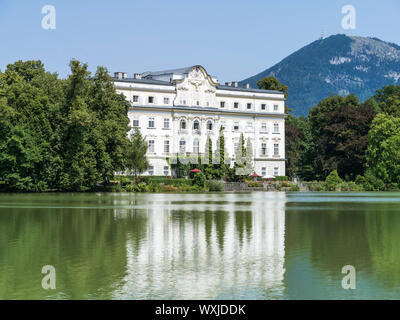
276 128
151 100
263 171
151 122
222 104
166 146
276 107
276 149
135 99
135 123
236 126
249 106
236 105
264 127
182 146
263 149
276 171
166 123
166 100
151 171
223 125
151 146
263 106
166 170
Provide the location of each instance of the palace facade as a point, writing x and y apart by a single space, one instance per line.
176 110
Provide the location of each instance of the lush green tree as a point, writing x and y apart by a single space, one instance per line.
294 135
29 126
221 168
387 100
383 153
318 121
333 181
199 180
343 141
271 83
136 161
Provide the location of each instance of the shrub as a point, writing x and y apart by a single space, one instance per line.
369 182
332 181
280 178
350 186
255 184
215 185
199 180
294 187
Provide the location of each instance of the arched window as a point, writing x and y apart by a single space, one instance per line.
196 125
182 145
209 125
183 124
196 145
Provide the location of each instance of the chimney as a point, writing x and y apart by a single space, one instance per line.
137 76
246 85
120 75
228 84
234 84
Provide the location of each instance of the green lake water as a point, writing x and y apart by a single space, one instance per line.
271 245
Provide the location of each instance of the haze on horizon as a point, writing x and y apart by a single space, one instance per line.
232 40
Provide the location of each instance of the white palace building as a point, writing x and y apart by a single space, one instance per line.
176 110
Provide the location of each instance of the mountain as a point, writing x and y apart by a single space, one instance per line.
338 64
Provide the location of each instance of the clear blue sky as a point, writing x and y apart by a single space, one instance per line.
232 39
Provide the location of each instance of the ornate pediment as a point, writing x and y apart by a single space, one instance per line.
196 89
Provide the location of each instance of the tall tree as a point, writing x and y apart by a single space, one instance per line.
388 100
318 120
344 139
383 151
136 161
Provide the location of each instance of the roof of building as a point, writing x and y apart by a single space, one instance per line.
170 71
222 87
147 78
146 81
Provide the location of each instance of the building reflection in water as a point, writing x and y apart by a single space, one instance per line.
206 246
